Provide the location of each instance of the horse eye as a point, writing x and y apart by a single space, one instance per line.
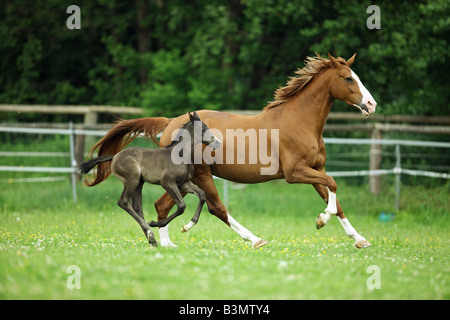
349 79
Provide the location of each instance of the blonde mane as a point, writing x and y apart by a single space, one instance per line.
313 67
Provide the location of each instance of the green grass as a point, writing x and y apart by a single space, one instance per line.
42 233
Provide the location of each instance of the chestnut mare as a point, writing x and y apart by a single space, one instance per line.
297 114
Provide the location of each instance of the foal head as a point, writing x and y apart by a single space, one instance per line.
346 86
193 127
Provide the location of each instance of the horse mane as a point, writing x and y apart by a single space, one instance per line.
313 67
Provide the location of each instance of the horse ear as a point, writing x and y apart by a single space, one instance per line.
333 60
191 117
196 116
351 60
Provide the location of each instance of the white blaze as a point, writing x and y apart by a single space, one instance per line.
367 98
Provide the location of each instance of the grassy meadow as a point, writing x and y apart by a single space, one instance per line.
43 234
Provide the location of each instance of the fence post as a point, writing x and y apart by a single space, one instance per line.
73 162
397 172
375 160
90 119
225 193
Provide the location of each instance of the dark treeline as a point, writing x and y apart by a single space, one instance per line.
173 56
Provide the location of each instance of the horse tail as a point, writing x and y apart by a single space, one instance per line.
119 137
86 166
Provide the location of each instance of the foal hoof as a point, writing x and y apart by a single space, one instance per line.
362 244
319 221
188 227
260 243
153 242
151 238
154 224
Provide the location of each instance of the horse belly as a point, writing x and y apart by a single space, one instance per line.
229 166
151 175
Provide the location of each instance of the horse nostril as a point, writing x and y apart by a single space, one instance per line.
364 107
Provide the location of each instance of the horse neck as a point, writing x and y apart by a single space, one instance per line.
313 104
179 140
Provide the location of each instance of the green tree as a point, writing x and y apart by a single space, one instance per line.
173 56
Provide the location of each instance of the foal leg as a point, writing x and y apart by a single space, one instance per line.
192 188
124 203
174 192
360 241
137 199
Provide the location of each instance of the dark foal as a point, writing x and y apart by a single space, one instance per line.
171 167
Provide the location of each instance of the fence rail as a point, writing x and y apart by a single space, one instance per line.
72 132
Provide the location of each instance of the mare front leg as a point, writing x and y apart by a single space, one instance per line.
326 187
192 188
304 174
360 241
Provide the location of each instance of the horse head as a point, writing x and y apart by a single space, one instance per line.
207 137
346 86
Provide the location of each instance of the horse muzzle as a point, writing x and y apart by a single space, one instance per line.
215 144
367 108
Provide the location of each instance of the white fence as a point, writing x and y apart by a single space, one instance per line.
397 170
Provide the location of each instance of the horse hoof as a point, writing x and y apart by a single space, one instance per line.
154 224
151 238
187 227
319 221
260 243
153 242
168 245
362 244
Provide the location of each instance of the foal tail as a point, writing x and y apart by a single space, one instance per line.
119 137
85 167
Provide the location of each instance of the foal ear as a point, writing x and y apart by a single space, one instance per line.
334 60
196 116
351 60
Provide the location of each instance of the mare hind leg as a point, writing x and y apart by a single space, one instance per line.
124 203
360 241
204 180
163 206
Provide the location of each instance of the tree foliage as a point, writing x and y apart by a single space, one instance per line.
173 56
